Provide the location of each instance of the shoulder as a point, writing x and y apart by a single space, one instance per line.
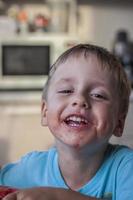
120 151
39 155
122 167
34 158
119 155
20 173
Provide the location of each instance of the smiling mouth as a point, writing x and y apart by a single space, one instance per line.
76 121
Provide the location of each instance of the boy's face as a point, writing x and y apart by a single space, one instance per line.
82 104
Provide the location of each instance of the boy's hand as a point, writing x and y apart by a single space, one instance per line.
40 193
5 190
46 193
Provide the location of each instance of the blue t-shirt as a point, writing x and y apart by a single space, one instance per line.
114 179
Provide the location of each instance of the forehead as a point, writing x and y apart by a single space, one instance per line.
82 67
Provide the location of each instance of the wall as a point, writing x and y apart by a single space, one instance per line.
98 23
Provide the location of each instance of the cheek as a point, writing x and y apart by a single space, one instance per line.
106 120
54 117
53 126
55 104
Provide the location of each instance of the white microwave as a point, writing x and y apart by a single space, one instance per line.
24 63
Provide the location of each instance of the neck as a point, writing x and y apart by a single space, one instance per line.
77 166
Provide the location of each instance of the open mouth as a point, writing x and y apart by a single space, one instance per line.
76 121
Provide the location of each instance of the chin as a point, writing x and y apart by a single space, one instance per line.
75 144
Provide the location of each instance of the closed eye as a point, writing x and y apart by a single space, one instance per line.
65 91
99 96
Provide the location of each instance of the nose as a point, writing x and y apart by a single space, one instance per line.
81 101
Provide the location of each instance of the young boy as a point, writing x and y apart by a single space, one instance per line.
85 102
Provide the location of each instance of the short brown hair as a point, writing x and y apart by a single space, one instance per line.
108 60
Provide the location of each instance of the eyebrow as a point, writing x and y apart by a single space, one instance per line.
66 80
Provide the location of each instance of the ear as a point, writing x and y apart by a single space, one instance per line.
120 126
44 113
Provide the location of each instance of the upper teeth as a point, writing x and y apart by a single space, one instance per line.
77 119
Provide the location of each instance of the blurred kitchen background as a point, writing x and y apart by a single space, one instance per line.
33 33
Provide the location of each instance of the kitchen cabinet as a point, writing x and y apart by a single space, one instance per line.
20 129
